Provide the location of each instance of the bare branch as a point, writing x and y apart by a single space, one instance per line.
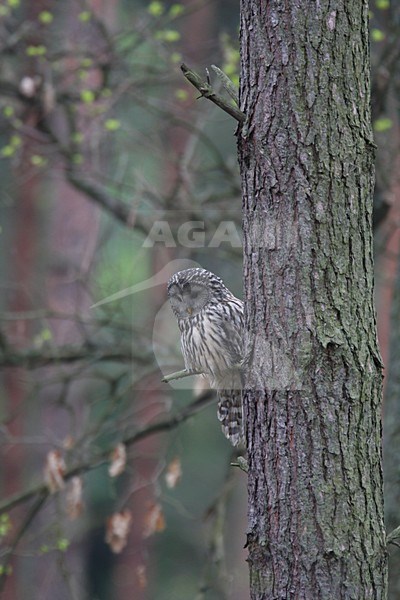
207 91
5 560
120 210
33 358
241 463
228 85
46 313
130 439
179 375
393 535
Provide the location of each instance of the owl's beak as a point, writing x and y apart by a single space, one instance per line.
189 310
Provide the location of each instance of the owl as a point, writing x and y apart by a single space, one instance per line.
210 320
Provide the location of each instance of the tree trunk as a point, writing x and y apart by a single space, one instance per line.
313 381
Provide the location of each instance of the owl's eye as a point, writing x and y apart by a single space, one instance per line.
173 291
195 294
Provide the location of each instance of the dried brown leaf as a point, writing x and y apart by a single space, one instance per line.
118 526
54 471
118 461
153 520
68 442
141 576
174 473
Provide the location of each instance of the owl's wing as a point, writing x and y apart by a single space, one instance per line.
230 412
232 329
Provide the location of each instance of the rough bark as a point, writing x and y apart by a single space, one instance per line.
313 388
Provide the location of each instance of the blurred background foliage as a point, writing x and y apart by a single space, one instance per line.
105 149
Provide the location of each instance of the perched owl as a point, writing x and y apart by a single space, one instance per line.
210 319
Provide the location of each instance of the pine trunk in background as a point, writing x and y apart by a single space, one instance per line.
392 440
22 255
313 382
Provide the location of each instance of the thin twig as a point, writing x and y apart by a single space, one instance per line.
228 85
179 375
5 560
241 463
207 91
122 211
393 535
130 439
33 358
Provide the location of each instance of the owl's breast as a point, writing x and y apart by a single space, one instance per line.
208 345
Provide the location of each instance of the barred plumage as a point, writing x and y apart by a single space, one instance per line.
210 319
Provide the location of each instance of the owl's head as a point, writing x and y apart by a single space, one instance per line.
190 291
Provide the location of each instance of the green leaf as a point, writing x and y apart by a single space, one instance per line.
176 10
87 96
62 544
83 74
181 95
46 335
377 35
176 57
7 151
155 8
45 17
38 161
77 159
15 141
382 4
8 111
13 3
85 16
5 524
6 570
36 50
86 62
112 124
77 137
168 35
383 124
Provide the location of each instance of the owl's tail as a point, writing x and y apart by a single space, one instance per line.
230 414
